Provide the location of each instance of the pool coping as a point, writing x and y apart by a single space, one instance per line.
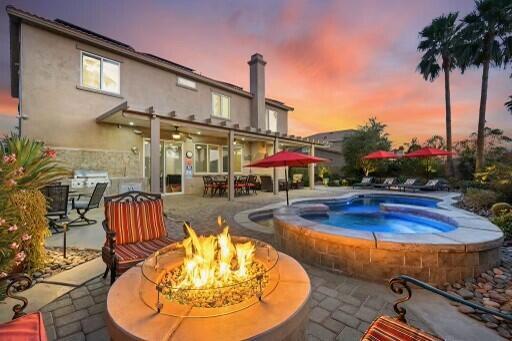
473 233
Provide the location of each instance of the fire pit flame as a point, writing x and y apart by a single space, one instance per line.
213 261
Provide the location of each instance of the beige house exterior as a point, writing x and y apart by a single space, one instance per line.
145 120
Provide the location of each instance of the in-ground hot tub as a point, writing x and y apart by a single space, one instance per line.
377 236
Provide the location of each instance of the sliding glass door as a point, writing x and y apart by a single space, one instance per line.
171 166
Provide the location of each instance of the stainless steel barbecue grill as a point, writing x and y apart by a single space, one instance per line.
86 178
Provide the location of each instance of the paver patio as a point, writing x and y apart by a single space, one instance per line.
341 307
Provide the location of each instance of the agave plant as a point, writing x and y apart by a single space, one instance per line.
37 164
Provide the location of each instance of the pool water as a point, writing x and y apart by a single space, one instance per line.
364 214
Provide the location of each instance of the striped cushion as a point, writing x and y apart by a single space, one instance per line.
136 221
27 328
386 328
130 254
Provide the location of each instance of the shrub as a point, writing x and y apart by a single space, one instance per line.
479 199
501 208
504 222
33 226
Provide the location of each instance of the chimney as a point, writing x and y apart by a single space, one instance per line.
257 87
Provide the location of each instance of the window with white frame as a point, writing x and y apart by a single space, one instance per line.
214 159
271 120
100 73
220 105
187 83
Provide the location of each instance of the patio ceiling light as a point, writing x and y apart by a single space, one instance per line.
131 123
176 135
198 133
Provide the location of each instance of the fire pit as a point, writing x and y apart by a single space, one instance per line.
211 287
201 273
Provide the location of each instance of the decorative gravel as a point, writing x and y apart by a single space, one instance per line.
492 289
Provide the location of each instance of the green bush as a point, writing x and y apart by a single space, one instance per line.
479 199
504 222
501 208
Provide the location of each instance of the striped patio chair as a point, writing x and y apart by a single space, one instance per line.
135 228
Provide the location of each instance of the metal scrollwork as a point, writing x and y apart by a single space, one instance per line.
10 292
398 286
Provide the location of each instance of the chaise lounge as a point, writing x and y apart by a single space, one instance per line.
135 227
365 182
387 184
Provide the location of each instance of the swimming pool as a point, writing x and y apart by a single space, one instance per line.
365 213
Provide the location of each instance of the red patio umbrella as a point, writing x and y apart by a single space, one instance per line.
428 152
287 159
380 154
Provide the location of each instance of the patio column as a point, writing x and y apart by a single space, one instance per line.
276 182
155 154
231 166
311 168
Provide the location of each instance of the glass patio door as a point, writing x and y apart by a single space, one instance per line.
171 166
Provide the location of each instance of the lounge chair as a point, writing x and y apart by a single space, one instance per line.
365 182
397 328
135 227
84 204
408 183
23 326
388 182
431 185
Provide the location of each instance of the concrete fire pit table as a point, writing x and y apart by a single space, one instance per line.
281 315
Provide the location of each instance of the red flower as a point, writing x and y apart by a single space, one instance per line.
52 154
10 158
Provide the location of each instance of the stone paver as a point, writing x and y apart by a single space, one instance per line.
349 334
318 314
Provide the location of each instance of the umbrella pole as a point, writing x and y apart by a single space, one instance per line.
286 184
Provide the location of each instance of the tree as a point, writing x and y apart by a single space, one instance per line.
436 141
509 104
439 44
367 138
485 40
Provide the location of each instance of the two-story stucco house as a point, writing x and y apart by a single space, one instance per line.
104 105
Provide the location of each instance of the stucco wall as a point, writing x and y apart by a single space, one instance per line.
63 115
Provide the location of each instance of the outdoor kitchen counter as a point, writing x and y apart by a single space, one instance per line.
282 315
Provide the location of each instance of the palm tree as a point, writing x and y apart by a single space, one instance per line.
484 41
509 104
439 44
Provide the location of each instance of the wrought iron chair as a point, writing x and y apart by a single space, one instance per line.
57 200
396 328
135 227
82 206
22 326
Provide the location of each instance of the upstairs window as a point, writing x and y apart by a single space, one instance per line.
187 83
220 106
271 120
100 73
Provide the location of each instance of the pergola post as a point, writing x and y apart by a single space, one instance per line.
231 167
276 181
311 168
155 154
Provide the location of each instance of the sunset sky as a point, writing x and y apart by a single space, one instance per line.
336 62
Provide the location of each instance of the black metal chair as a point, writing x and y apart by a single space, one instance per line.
57 199
84 204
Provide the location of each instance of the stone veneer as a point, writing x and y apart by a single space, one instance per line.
436 258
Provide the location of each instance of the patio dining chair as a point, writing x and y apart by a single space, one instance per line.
208 184
57 204
252 184
83 204
267 185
